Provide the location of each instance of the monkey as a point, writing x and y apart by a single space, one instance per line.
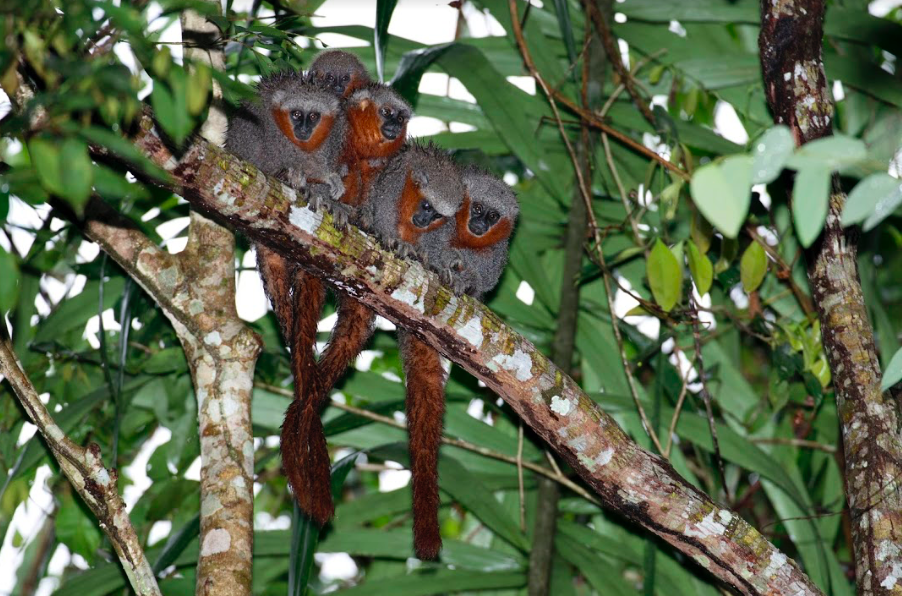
470 256
416 196
341 71
296 132
377 128
469 253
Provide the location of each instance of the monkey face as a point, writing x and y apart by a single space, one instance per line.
482 218
304 123
425 214
336 81
394 121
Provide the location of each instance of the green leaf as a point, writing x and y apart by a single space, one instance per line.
305 533
810 201
170 105
753 267
664 276
384 10
9 289
45 157
893 373
771 152
76 175
722 193
832 153
701 268
125 149
166 361
872 200
410 71
199 82
77 530
442 581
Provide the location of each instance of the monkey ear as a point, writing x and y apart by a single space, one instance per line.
364 104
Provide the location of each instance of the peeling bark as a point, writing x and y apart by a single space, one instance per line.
797 92
84 468
637 484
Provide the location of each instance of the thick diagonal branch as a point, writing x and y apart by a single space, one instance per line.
640 486
84 468
795 84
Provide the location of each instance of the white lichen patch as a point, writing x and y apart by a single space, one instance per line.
888 549
213 338
195 307
102 477
519 363
776 562
604 458
215 542
725 516
304 218
210 505
229 406
472 332
55 432
894 577
405 295
706 528
561 406
577 444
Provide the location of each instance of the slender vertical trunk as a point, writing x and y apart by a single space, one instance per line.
796 88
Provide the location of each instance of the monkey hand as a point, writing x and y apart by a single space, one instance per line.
401 248
451 276
320 200
336 186
296 179
365 217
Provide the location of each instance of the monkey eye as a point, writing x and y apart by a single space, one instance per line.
492 216
313 117
346 78
330 78
477 208
426 206
402 117
296 115
386 112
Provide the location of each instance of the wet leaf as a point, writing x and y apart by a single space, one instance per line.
771 152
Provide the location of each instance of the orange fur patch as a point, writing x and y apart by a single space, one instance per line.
410 200
363 143
464 238
320 133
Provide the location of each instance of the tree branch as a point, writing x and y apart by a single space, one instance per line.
795 84
84 468
640 486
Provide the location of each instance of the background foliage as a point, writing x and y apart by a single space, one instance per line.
763 362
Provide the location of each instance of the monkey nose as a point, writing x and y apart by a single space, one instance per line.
391 131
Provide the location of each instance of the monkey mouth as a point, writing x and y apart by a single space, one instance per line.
478 227
391 131
302 134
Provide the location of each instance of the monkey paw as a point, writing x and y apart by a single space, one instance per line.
296 179
336 186
341 213
401 248
451 278
365 219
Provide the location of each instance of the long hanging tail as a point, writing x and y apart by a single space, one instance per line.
425 409
352 330
305 456
277 273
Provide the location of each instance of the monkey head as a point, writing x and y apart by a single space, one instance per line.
342 72
303 110
377 117
488 213
433 191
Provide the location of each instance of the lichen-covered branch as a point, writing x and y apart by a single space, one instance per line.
796 88
640 486
85 471
222 359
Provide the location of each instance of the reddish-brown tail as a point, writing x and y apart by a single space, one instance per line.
277 274
305 456
352 330
425 409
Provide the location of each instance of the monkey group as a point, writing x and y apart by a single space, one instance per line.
341 139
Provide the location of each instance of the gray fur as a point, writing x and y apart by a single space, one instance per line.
338 64
255 137
474 272
438 177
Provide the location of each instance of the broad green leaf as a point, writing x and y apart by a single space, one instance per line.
45 157
872 200
123 148
75 312
410 71
893 373
810 201
832 153
9 289
722 193
664 276
75 172
170 106
753 267
701 268
771 152
77 529
111 184
384 10
430 581
166 361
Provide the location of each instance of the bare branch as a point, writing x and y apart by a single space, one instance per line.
84 468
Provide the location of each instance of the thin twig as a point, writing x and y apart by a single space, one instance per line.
676 413
520 488
794 443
